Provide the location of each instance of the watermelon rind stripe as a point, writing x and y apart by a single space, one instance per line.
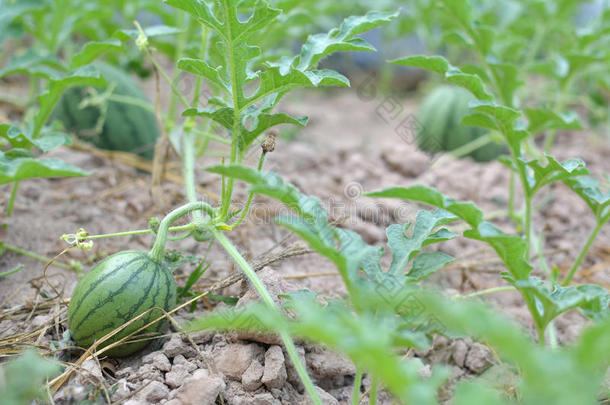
105 276
131 313
111 296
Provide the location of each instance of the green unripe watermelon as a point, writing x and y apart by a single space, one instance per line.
126 127
439 119
113 292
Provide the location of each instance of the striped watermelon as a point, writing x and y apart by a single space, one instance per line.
440 117
126 127
113 292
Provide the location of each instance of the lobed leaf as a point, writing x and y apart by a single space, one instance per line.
452 74
83 76
242 61
94 49
33 64
540 176
542 119
23 139
588 190
21 168
512 249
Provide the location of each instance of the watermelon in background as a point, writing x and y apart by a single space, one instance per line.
439 118
125 126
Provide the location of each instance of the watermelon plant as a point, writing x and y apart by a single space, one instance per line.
45 54
386 311
498 42
240 78
232 65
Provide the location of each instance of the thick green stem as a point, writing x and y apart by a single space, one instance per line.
561 101
268 301
156 252
527 223
485 292
209 136
180 44
235 91
188 172
15 270
471 146
541 334
35 256
553 336
511 198
181 228
357 387
250 197
166 77
11 200
373 391
583 253
203 51
143 104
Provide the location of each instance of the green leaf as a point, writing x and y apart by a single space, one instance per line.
33 64
480 120
554 171
23 139
426 264
404 248
201 68
470 82
508 80
262 122
346 248
593 298
240 27
202 10
512 249
10 12
83 76
466 211
588 189
24 378
504 117
436 64
341 39
452 74
26 168
93 50
223 115
543 119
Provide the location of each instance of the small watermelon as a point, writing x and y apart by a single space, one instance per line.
440 127
116 290
126 127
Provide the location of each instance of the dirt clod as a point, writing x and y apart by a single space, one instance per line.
479 358
154 392
234 359
274 375
200 389
158 360
251 379
325 397
325 363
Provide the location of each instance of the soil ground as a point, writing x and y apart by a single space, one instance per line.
351 146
